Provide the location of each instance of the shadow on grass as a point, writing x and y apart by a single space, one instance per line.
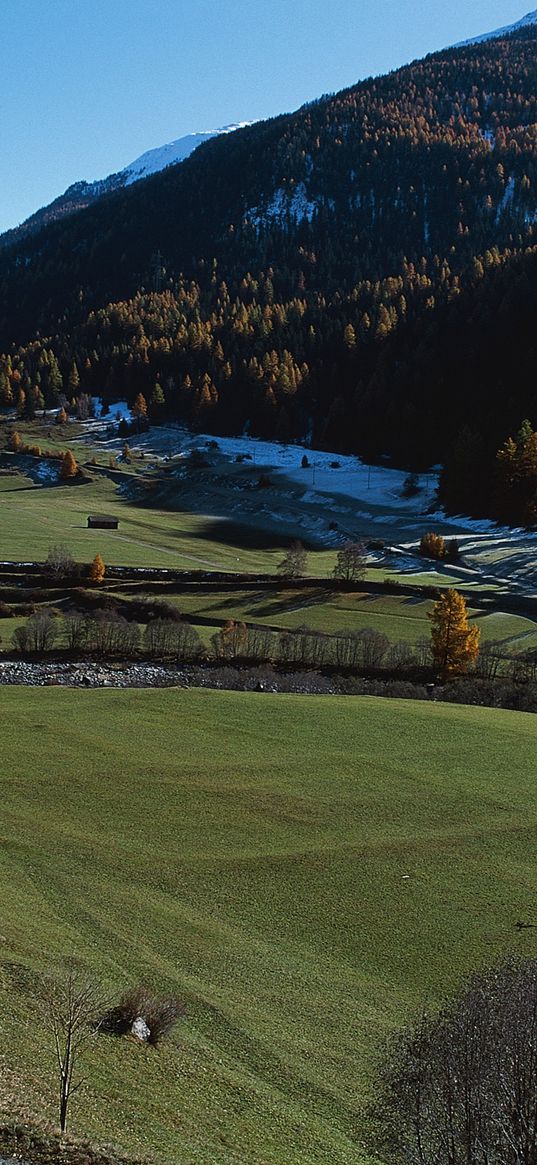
244 537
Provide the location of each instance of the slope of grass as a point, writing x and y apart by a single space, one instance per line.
302 871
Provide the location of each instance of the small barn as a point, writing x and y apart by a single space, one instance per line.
102 522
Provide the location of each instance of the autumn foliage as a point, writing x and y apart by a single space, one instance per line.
455 644
433 546
97 569
69 467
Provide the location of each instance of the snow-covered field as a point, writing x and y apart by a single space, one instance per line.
332 498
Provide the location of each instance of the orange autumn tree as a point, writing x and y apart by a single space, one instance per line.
97 569
433 546
455 644
69 466
139 408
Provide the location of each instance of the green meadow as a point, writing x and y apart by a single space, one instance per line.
303 872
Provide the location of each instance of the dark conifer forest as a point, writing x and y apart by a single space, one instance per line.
361 274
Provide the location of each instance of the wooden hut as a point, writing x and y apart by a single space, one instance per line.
102 522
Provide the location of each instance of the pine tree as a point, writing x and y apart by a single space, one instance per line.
55 380
455 644
74 378
69 467
158 400
349 337
97 569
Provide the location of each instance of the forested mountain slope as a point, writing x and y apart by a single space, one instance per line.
312 267
82 194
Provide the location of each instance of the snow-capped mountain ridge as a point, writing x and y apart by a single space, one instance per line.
82 194
525 22
173 152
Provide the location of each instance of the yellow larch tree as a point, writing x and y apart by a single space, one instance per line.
455 643
97 569
69 466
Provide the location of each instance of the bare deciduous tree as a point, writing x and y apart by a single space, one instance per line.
293 565
37 634
71 1007
60 562
460 1088
351 562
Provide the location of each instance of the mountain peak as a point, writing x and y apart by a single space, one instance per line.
525 22
168 155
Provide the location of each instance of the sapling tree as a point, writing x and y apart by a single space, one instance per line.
71 1007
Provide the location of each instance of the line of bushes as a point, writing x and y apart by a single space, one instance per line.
107 635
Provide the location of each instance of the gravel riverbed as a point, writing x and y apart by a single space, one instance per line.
90 674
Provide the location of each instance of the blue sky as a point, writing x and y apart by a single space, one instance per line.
88 85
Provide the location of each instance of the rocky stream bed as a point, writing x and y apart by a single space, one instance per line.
91 674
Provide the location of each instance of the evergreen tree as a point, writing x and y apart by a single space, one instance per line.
74 378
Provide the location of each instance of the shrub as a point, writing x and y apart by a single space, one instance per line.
110 634
15 442
169 638
411 486
160 1013
75 630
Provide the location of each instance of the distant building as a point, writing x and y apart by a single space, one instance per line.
102 522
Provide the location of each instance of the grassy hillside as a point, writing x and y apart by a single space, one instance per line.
249 852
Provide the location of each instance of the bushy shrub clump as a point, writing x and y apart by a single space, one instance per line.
159 1013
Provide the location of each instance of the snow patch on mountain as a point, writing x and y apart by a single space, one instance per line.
173 152
526 22
294 204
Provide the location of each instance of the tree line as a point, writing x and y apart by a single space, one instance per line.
453 648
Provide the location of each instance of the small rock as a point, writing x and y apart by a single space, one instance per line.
140 1029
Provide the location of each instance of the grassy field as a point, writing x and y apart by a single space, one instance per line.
35 517
251 853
